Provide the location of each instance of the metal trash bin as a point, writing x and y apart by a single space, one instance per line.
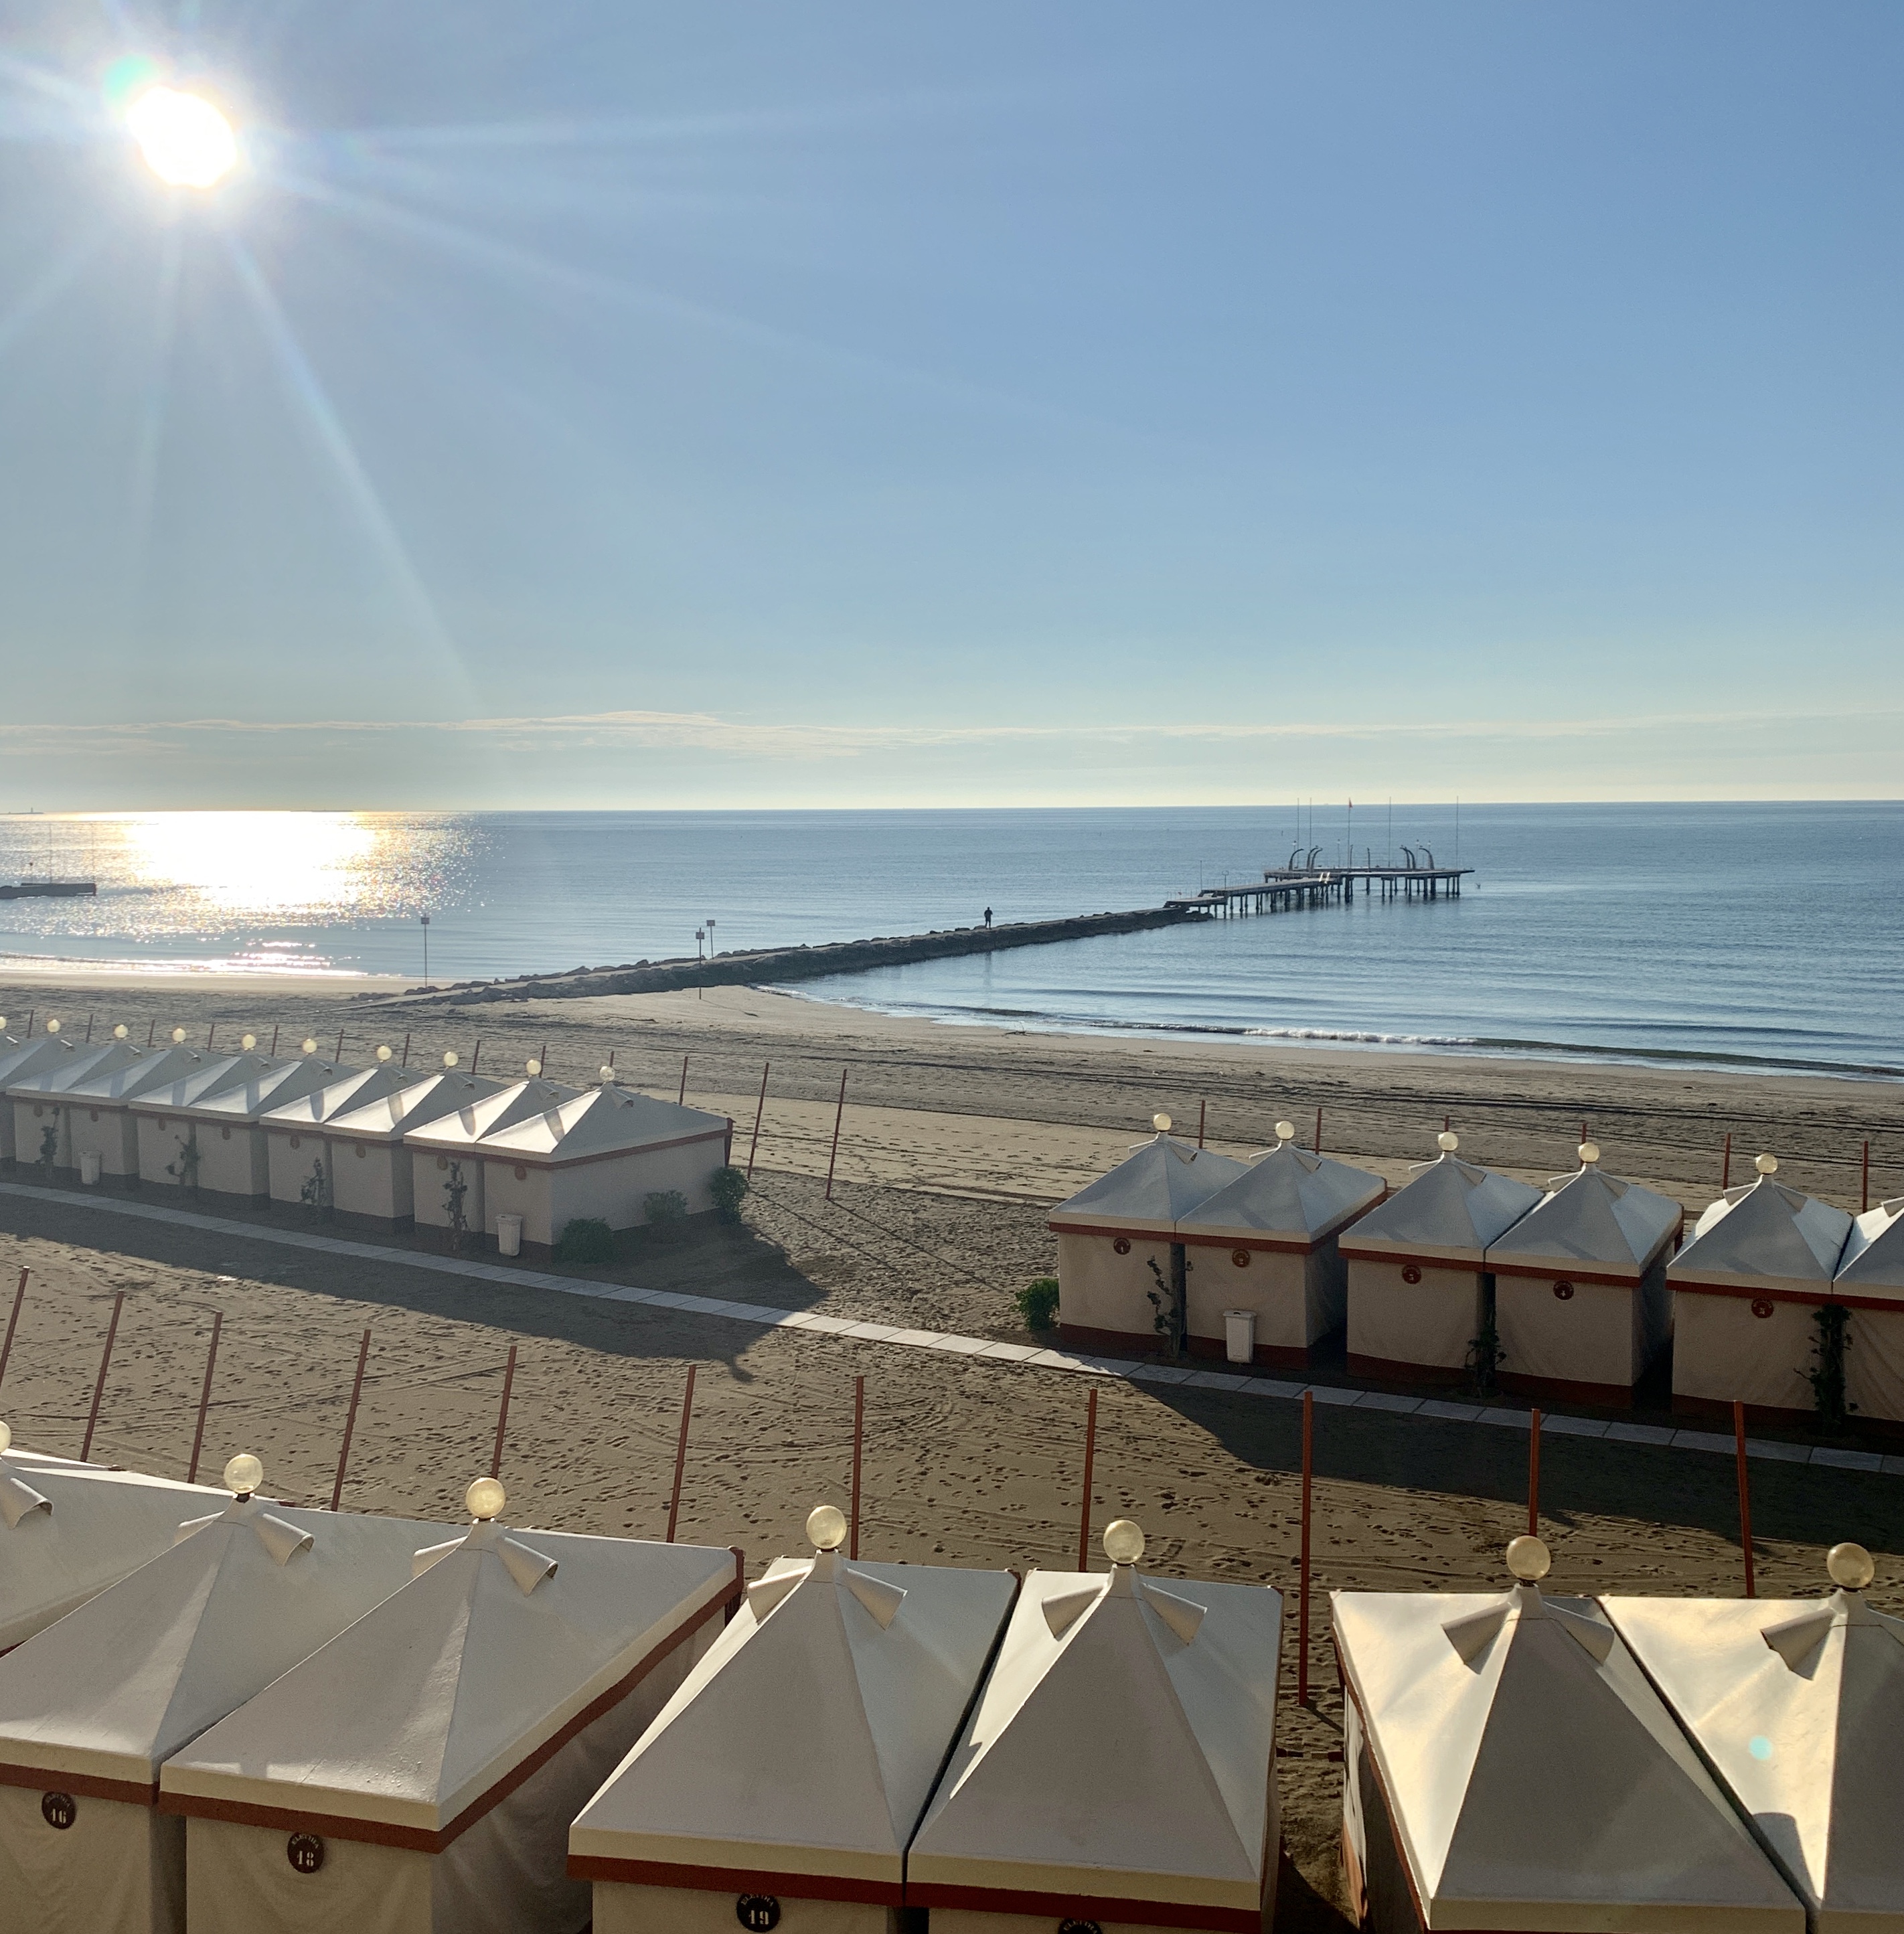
89 1167
1239 1335
509 1235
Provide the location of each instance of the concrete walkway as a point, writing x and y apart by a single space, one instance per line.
761 1316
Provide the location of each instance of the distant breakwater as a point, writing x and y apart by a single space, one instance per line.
764 965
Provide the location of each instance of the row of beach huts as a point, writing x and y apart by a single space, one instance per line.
382 1146
1577 1286
221 1714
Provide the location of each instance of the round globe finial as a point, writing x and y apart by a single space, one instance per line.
247 1042
606 1073
1528 1559
1123 1541
826 1527
243 1474
1766 1164
3 1023
52 1027
534 1067
450 1059
383 1051
1447 1143
119 1033
6 1435
485 1498
1285 1131
310 1045
1850 1567
1161 1123
1589 1153
178 1037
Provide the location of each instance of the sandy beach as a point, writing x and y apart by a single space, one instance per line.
954 1143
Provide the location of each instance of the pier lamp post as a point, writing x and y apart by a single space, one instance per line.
425 918
700 936
710 937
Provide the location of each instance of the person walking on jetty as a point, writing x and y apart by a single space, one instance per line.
988 920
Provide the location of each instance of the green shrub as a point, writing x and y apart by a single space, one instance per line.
664 1208
587 1239
728 1187
1038 1302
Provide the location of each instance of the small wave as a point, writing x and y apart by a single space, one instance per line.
1364 1040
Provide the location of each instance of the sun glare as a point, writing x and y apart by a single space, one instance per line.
185 140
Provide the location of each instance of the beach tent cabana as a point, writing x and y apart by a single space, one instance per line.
1276 1227
99 1116
1418 1290
169 1136
454 1137
1580 1299
38 1098
1869 1284
92 1706
1797 1704
418 1773
20 1061
781 1784
1746 1292
223 1122
1506 1764
1111 1233
1118 1767
297 1136
599 1156
68 1530
373 1174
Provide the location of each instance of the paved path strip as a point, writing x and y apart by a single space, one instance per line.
762 1316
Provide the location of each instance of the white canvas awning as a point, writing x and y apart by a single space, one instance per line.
215 1076
145 1070
1871 1269
1764 1237
1119 1759
801 1751
389 1117
1159 1181
602 1121
1798 1704
1286 1197
1531 1777
52 1077
356 1088
259 1090
458 1131
50 1053
1450 1211
1592 1225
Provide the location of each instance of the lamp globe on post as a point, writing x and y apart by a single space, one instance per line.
243 1475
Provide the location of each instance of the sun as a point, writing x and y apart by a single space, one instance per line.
187 143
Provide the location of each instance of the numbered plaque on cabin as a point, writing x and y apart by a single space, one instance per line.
757 1910
58 1810
1079 1927
304 1851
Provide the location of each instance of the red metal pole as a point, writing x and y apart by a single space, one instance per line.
1745 1496
859 1431
839 1115
477 1056
1202 1111
339 1055
1318 1132
405 1062
151 1028
1534 1477
1084 1513
276 1031
1864 1188
88 1030
6 1347
502 1416
760 1109
211 1035
682 1098
205 1395
1725 1173
349 1423
99 1387
681 1455
1303 1583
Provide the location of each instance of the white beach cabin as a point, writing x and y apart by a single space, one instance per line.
19 1061
1746 1291
99 1116
68 1530
452 1138
1112 1232
299 1158
1264 1247
1580 1299
598 1156
1119 1768
1798 1705
418 1773
780 1785
1506 1764
92 1706
1417 1287
1869 1283
373 1175
38 1099
169 1138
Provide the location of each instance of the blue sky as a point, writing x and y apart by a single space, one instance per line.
599 403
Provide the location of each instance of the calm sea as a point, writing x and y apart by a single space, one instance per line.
1768 934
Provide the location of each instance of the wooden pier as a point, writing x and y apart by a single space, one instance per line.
1284 889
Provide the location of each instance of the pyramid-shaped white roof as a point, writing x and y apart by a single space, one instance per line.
146 1069
807 1741
1286 1196
1158 1182
1120 1751
476 1120
1449 1211
143 1668
215 1075
1798 1704
501 1644
601 1121
50 1053
277 1085
355 1088
1765 1235
65 1068
1872 1264
389 1118
68 1530
1593 1225
1536 1780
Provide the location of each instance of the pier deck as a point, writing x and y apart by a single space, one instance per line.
1282 889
